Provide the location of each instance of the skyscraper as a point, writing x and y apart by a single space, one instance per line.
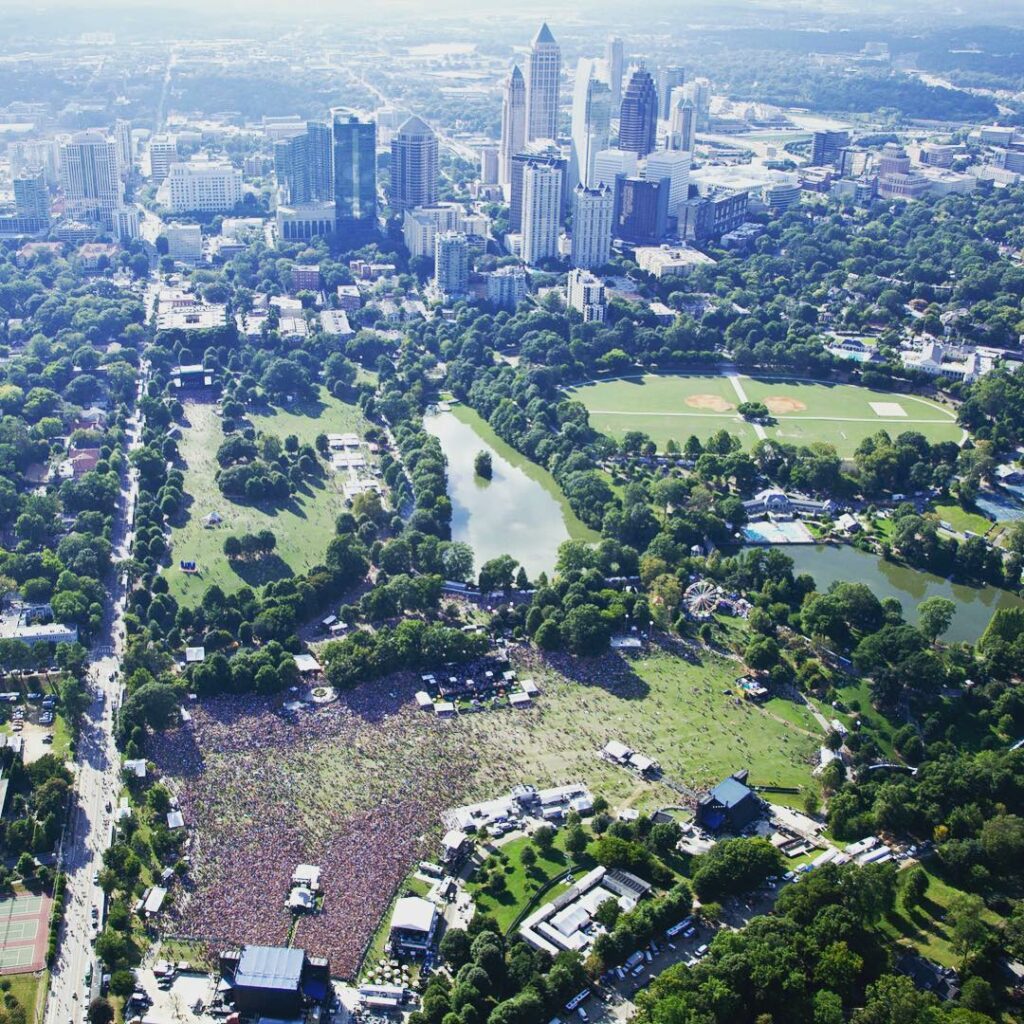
32 197
123 138
302 165
591 118
669 78
682 123
638 119
672 166
592 213
488 165
543 74
355 176
535 152
698 92
414 173
610 163
826 147
513 123
163 151
641 210
542 211
90 179
451 263
614 55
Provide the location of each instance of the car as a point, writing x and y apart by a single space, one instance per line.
701 950
582 1013
672 946
96 877
48 738
655 948
637 971
648 956
621 973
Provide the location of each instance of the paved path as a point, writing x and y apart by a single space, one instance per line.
97 782
734 379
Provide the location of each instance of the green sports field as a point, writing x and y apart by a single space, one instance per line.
672 407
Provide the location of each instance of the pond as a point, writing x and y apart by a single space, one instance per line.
520 511
974 605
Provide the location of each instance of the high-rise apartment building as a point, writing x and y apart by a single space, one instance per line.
488 165
593 211
682 122
826 147
641 210
591 120
303 165
614 55
421 226
451 264
585 293
204 186
543 81
414 166
32 197
535 152
542 211
669 78
125 150
638 118
90 178
506 286
673 167
513 123
355 176
163 151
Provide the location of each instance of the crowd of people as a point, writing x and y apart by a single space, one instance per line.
352 786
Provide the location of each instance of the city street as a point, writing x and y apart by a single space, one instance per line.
87 834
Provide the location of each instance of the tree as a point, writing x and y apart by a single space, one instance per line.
967 927
528 857
544 837
914 887
101 1011
455 948
482 465
575 840
934 616
457 560
585 630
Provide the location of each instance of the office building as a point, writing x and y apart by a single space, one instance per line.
609 164
614 55
543 81
90 177
125 151
305 221
893 160
421 226
682 123
542 211
513 123
698 92
669 79
32 197
638 118
414 167
488 165
506 287
163 151
591 121
593 211
204 186
303 166
826 147
585 293
782 194
184 242
127 223
710 216
670 261
672 166
641 210
451 264
355 177
535 152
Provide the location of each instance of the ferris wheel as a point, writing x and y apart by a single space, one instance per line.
701 598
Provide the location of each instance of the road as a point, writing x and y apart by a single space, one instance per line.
97 782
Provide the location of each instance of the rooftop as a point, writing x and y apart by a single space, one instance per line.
273 967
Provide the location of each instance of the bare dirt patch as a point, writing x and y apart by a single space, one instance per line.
780 406
709 403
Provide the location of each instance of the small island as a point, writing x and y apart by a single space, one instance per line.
482 465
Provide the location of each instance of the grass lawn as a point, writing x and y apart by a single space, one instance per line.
522 884
797 714
924 927
962 520
30 991
577 529
877 724
675 406
303 527
194 953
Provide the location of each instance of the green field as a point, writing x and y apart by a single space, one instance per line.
960 519
303 527
672 407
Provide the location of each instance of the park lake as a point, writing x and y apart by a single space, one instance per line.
520 511
831 563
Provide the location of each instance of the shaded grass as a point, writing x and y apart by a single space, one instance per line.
962 520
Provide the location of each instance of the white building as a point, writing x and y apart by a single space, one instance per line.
592 215
90 177
421 225
543 80
670 261
303 221
451 264
591 120
782 194
208 186
542 208
127 221
585 293
184 242
609 163
506 286
673 166
163 151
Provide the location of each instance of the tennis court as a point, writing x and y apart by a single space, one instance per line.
24 919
